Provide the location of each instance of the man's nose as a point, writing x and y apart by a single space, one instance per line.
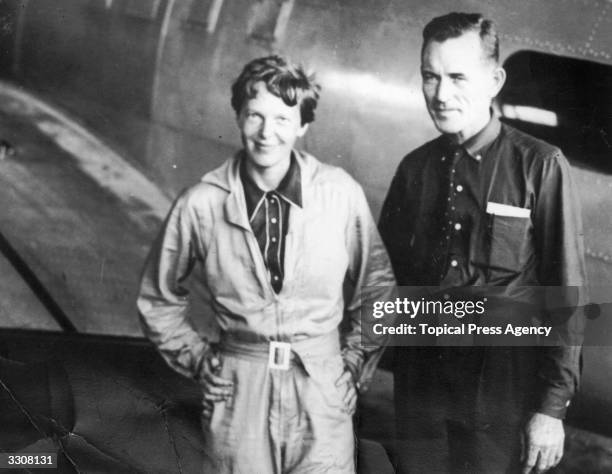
443 90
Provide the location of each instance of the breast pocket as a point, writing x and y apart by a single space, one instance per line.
510 243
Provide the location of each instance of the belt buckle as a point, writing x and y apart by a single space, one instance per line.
279 355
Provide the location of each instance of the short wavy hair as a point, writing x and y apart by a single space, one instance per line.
456 24
285 80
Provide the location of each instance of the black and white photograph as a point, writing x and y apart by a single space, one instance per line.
306 236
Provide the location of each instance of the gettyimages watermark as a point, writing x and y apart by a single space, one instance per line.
488 316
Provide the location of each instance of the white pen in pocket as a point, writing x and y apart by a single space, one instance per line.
507 210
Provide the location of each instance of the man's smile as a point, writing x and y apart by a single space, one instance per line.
445 110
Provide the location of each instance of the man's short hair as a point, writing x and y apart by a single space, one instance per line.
456 24
285 80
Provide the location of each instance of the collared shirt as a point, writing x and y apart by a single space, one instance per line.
442 227
268 214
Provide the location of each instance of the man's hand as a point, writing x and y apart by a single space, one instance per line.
542 443
346 382
214 388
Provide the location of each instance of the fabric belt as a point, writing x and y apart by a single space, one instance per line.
279 354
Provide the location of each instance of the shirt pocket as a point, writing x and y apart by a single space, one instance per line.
509 243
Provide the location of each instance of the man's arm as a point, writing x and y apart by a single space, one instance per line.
372 279
560 251
163 301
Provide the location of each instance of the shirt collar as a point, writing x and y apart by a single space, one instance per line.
474 146
290 187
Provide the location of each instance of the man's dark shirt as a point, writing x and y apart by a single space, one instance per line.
268 214
442 226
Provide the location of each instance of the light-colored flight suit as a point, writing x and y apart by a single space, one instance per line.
285 416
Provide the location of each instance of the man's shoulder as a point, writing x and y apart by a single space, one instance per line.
417 157
528 147
433 145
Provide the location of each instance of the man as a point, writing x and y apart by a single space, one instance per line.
273 234
481 205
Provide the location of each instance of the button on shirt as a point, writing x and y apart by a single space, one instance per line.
269 217
461 173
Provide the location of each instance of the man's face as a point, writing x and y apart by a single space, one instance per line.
459 85
269 128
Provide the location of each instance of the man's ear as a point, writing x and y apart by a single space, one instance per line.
499 79
302 130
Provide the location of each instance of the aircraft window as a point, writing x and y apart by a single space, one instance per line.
268 19
145 9
535 115
564 101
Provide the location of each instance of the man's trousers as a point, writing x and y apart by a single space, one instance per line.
461 409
